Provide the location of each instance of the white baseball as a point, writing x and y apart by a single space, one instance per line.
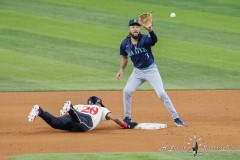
173 15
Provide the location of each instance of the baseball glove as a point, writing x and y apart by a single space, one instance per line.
146 20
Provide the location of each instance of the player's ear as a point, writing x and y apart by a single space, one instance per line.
129 27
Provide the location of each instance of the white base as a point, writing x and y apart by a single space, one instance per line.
150 126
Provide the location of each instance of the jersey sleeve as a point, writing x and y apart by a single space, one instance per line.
122 49
151 39
104 113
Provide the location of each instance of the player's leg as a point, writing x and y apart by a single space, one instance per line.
63 123
135 80
154 78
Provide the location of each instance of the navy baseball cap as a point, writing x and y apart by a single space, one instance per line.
133 22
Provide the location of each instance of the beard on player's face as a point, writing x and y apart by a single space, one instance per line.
135 36
134 32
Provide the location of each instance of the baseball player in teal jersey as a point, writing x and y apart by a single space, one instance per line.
79 118
138 47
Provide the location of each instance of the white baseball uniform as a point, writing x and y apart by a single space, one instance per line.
97 113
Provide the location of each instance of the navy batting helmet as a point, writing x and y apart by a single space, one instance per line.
94 100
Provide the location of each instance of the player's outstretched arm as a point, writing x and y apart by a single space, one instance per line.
120 122
116 119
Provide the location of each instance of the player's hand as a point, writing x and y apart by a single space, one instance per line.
149 29
119 74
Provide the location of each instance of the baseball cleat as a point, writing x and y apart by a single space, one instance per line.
66 107
127 120
34 113
179 122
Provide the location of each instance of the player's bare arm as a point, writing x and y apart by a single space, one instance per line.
124 61
115 118
119 121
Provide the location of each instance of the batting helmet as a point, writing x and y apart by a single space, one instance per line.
94 100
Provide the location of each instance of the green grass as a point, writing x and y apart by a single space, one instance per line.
74 44
230 155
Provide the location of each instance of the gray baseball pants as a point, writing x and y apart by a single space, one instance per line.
136 79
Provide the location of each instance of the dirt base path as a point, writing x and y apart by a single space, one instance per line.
211 115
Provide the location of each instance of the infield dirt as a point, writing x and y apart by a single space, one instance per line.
212 115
